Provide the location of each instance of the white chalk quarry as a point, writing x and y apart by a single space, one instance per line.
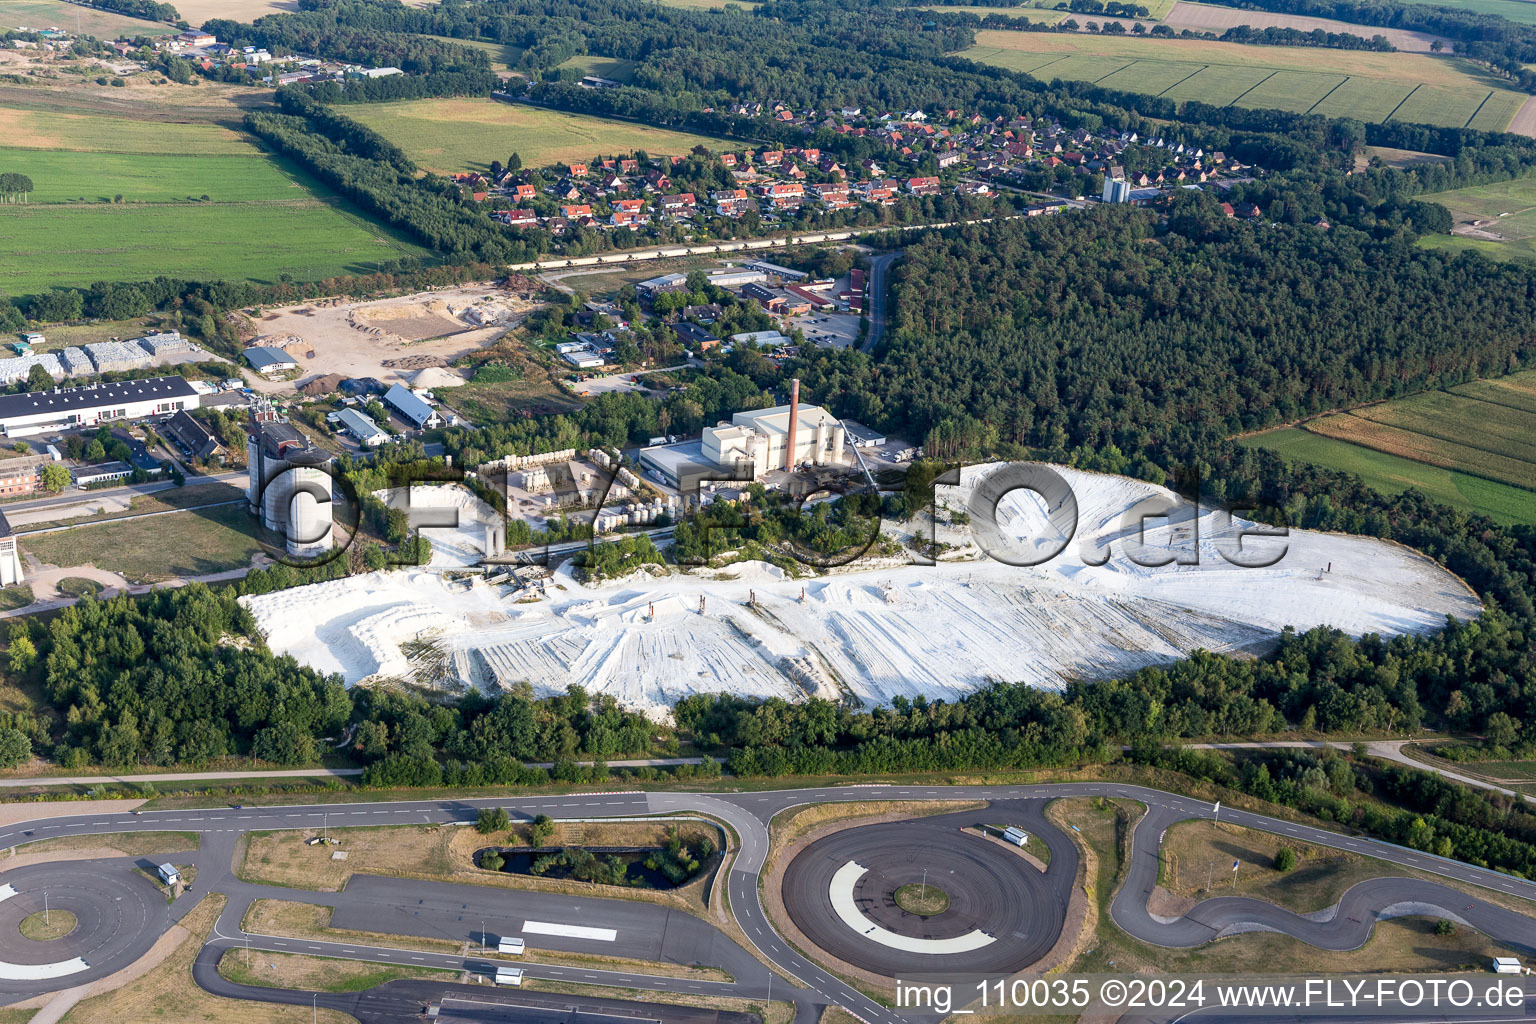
875 633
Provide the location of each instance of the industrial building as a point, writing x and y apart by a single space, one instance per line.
412 407
19 367
10 556
192 436
861 436
1117 190
37 412
269 359
763 440
21 476
665 283
735 278
362 428
287 485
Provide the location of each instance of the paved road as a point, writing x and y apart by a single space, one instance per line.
746 245
73 496
748 815
878 299
1350 924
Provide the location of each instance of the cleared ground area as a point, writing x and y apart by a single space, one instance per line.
1498 219
391 339
867 634
450 135
1336 83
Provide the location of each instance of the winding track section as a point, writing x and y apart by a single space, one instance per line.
115 938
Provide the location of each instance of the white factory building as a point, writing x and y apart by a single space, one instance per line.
775 439
287 485
38 412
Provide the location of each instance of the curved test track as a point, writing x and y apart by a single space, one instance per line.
1020 909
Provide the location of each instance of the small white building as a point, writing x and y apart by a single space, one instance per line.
510 945
1506 965
168 874
1015 835
509 975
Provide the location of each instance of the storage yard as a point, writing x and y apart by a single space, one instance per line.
389 339
866 633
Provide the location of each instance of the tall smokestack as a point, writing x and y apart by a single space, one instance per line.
794 422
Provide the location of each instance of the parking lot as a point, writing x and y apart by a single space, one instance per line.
829 330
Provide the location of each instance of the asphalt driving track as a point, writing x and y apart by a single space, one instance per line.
118 913
991 889
1348 925
121 914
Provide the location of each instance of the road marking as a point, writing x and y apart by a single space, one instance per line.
570 931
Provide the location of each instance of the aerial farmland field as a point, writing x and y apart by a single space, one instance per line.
186 200
35 14
1472 445
449 135
1366 85
1392 474
22 128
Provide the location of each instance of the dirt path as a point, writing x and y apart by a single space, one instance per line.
1524 122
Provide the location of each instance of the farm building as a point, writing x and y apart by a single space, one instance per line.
267 359
415 411
36 412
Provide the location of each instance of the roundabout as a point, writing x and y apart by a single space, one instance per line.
74 924
924 895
